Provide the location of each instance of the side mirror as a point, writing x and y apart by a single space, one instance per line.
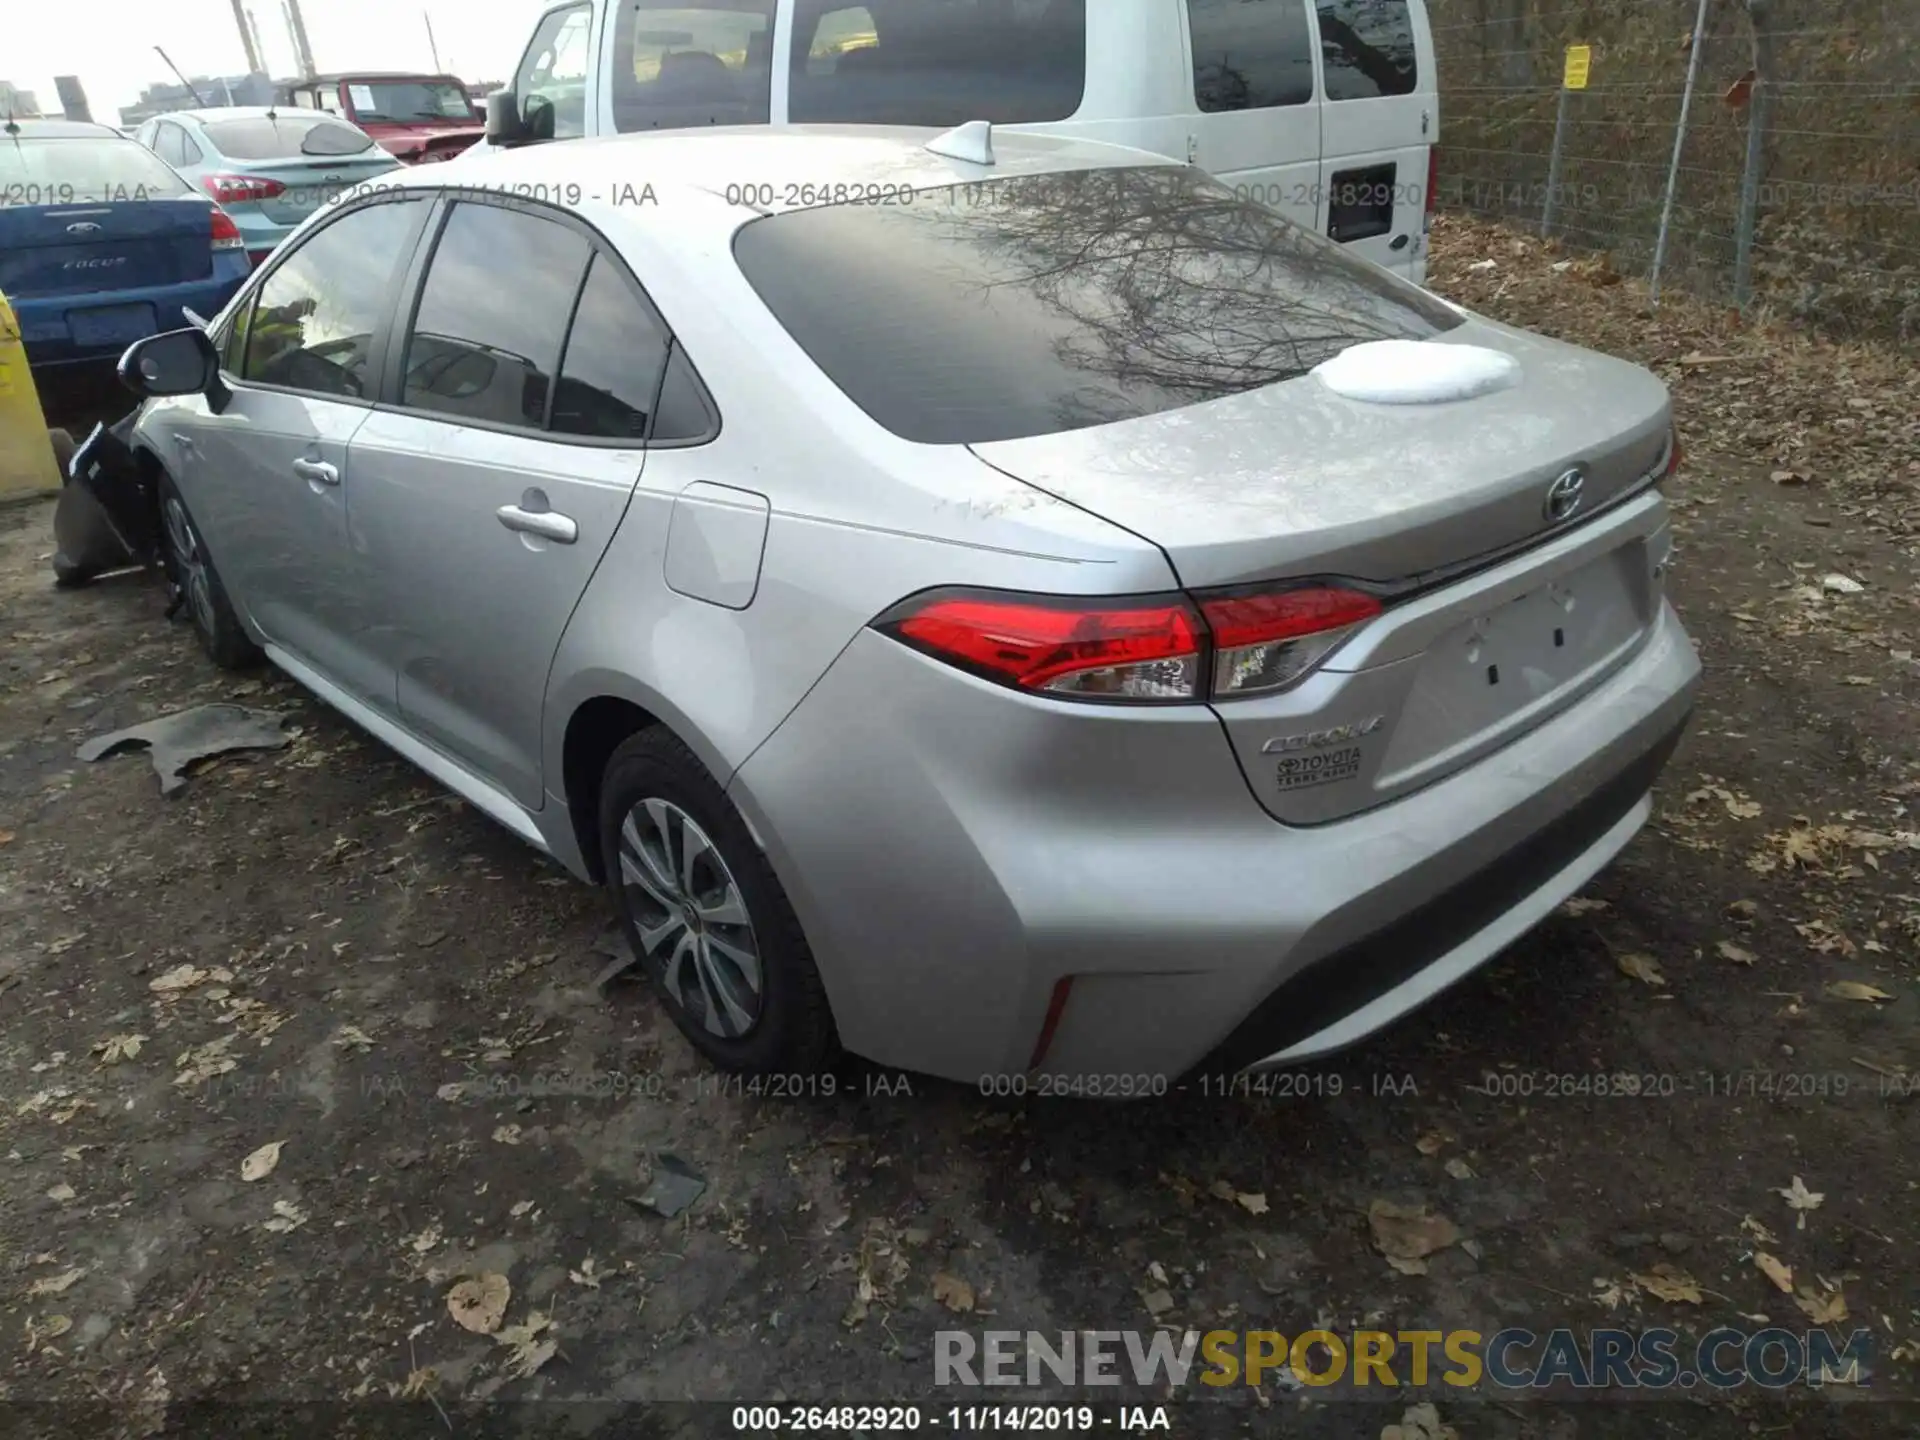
504 125
538 119
180 362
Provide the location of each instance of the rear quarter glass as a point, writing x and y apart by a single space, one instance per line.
1043 303
64 170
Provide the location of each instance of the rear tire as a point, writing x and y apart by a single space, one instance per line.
706 917
193 579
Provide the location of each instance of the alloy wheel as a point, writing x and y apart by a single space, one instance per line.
691 919
192 563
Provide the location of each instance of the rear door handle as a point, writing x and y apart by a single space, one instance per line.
316 472
546 523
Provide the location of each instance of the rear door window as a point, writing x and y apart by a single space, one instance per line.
1366 48
1250 54
483 351
938 62
681 66
616 351
314 324
1042 303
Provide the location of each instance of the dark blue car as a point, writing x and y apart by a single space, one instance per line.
101 243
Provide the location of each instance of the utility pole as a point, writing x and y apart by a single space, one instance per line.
254 67
302 51
430 42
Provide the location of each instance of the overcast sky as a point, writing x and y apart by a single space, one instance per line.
109 43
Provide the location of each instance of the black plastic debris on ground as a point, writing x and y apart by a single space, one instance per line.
674 1187
175 741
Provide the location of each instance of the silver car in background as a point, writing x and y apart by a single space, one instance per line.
993 603
269 169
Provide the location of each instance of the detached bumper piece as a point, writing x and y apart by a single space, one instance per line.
1335 986
107 515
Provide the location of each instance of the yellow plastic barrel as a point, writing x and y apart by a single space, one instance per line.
27 466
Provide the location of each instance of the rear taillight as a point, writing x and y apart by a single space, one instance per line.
1148 648
1433 183
226 234
1153 649
237 189
1675 454
1264 641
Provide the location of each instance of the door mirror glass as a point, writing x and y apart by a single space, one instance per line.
538 118
180 362
504 126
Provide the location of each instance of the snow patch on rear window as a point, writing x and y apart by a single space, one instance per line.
1416 372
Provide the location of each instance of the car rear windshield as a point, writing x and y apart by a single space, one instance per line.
290 134
1044 303
408 102
58 170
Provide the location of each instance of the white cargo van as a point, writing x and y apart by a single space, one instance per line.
1325 110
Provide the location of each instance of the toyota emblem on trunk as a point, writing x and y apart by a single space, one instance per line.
1564 496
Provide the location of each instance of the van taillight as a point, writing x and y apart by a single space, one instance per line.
1433 182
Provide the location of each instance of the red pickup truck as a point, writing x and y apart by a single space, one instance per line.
414 118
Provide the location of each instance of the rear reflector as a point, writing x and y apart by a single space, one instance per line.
1139 649
1433 183
1675 454
226 234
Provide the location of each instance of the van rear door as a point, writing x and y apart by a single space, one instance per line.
1376 128
1258 129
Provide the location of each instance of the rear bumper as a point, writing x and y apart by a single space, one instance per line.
954 851
47 327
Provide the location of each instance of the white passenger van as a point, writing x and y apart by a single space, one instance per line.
1325 110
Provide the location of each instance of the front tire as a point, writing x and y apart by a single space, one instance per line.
706 916
191 574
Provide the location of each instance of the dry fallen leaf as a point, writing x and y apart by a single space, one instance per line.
1856 990
62 1192
287 1216
480 1304
1823 1308
56 1284
41 1331
116 1048
1801 1199
1458 1168
1407 1234
953 1292
1582 905
1667 1283
1641 967
1431 1143
507 1134
530 1352
586 1275
260 1163
1739 954
180 978
1779 1274
1158 1302
1252 1203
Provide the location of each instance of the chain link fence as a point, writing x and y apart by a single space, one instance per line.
1826 209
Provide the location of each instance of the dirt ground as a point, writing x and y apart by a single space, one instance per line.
318 948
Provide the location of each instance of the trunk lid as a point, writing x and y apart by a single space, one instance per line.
1294 479
311 182
1506 617
83 249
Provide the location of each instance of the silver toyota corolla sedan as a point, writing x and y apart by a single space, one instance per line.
993 603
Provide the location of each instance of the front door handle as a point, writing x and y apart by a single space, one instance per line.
546 523
316 472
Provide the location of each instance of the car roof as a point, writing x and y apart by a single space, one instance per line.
339 75
63 129
247 112
775 167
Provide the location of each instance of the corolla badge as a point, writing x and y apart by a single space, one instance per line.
1314 739
1564 496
